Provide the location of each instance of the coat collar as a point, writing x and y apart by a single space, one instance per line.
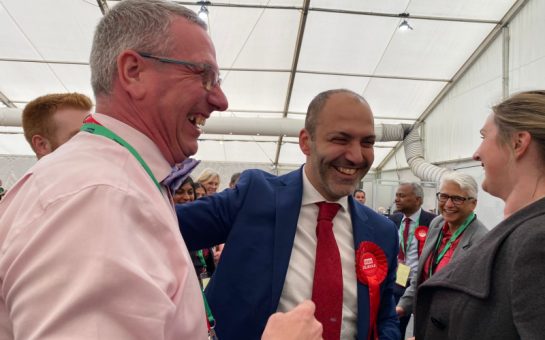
472 274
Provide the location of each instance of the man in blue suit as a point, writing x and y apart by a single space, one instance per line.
273 258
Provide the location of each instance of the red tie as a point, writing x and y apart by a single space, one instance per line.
401 256
327 289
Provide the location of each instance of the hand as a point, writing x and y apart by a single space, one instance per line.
411 338
297 324
400 311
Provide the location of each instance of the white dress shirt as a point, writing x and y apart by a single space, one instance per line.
300 274
411 255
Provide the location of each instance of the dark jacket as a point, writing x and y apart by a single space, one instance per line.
495 290
474 232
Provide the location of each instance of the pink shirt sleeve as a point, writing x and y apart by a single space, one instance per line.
99 263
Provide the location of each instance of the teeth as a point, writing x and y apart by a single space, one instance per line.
347 171
200 121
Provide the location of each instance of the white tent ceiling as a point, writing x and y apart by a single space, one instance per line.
274 55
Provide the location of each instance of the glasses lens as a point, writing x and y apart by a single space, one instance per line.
211 78
442 197
457 199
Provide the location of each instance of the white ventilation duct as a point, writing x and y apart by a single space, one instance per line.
10 116
290 127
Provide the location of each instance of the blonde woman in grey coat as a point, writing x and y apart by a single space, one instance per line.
496 290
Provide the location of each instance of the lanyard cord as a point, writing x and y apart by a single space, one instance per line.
453 238
201 258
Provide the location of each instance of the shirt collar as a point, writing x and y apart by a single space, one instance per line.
312 196
145 147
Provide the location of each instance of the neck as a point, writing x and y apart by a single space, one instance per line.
410 213
126 112
453 227
525 192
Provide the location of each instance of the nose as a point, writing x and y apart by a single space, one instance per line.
451 204
217 99
354 153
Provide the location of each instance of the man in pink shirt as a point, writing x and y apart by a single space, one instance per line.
90 247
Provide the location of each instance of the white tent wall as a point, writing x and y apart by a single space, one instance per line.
451 131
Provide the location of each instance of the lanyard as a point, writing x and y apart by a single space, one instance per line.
95 128
453 238
201 258
411 235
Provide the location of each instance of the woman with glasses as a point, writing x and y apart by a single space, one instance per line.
450 234
496 290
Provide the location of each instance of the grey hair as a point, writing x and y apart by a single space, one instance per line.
140 25
318 103
417 188
464 181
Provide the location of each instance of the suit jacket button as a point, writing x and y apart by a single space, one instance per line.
438 323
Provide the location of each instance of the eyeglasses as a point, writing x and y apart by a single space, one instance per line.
457 200
210 77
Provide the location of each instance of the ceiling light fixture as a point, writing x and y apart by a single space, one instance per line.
404 26
203 11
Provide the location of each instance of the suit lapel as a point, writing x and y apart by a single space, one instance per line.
288 205
363 231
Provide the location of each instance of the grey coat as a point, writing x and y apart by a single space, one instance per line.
474 232
495 291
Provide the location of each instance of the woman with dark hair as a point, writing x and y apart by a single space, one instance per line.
185 193
495 291
203 260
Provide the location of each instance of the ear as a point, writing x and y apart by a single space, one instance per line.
521 142
305 141
130 73
41 146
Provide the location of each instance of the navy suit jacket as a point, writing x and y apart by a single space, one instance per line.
425 218
258 220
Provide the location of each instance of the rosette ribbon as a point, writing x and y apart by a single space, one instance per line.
421 233
371 270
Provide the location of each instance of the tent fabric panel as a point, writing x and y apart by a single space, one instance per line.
255 90
307 86
434 49
26 81
244 39
43 23
330 38
411 96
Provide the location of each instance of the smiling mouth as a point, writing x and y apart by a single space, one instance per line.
198 121
346 171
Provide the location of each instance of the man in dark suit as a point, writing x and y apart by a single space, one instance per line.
413 223
275 258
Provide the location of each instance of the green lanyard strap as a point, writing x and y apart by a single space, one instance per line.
453 238
103 131
201 258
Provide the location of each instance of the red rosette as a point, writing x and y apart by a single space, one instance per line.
421 233
371 270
